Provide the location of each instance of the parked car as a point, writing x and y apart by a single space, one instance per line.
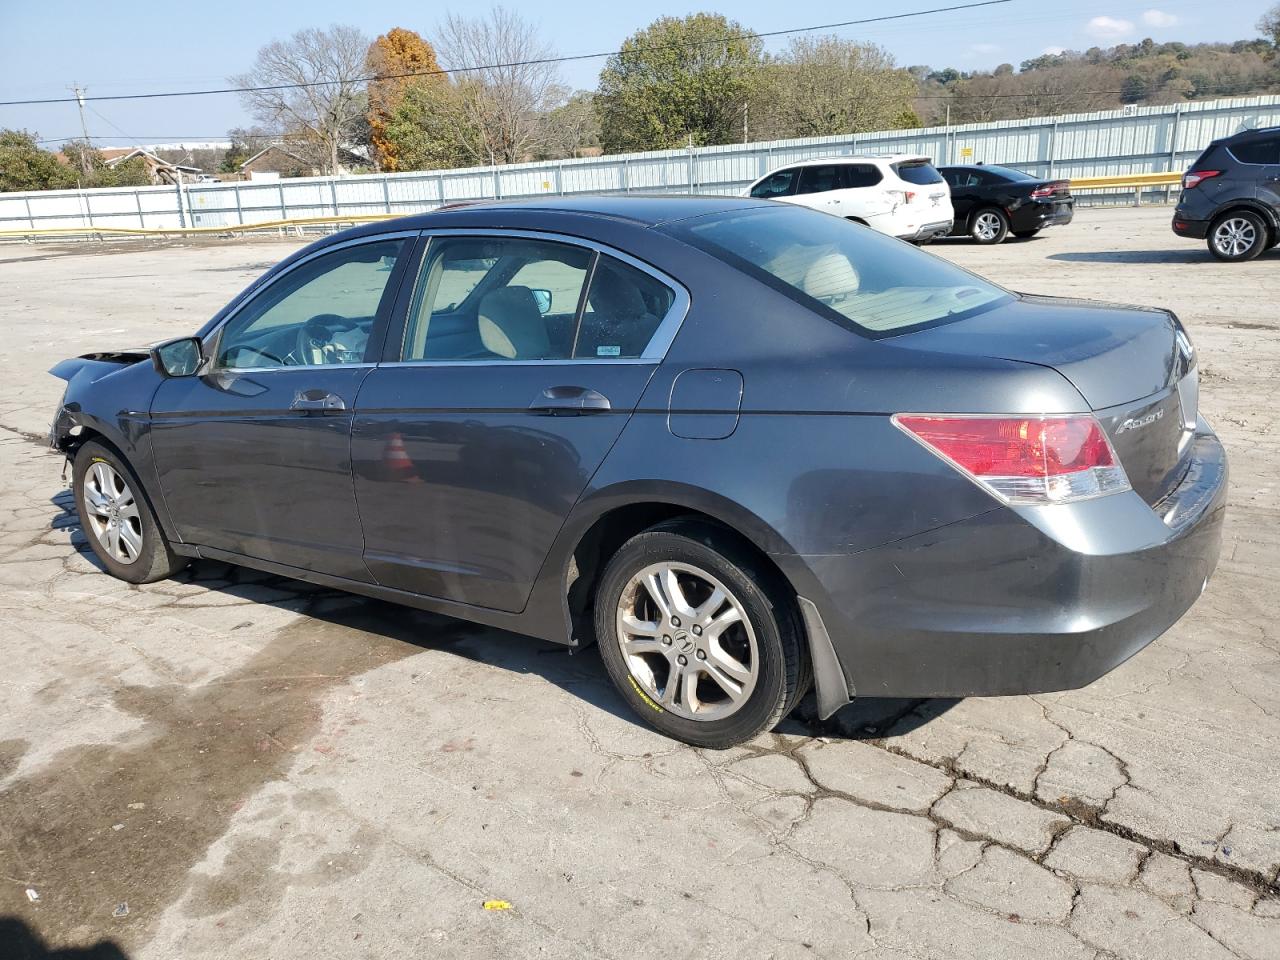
992 202
901 195
738 444
1231 196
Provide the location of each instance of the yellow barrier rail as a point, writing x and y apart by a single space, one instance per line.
1126 182
1123 183
188 231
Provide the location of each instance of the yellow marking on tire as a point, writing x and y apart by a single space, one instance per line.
643 696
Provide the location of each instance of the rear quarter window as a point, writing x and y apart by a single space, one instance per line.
1258 151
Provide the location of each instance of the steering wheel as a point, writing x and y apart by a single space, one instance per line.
315 339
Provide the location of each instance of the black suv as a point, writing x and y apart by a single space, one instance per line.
1231 196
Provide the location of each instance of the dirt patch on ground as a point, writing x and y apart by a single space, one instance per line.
108 825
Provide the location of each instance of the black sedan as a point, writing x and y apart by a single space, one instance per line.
991 202
747 448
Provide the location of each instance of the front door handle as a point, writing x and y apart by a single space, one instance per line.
317 401
570 401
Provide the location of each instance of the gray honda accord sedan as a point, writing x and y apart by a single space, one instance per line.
747 448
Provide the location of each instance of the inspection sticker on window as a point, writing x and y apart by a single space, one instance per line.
608 351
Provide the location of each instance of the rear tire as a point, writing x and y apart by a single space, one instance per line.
1025 234
1237 236
713 660
989 226
117 518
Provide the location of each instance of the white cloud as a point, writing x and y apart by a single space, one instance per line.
1053 51
1158 18
982 48
1109 28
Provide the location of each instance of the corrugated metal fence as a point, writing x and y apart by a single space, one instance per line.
1134 140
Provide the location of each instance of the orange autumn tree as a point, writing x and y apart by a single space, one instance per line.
394 54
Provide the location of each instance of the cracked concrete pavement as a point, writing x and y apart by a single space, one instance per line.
232 764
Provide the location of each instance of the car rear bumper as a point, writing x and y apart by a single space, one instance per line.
1194 229
1025 600
1037 216
928 231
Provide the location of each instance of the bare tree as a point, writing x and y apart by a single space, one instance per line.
327 103
1269 24
507 94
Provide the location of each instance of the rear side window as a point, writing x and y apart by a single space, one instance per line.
856 277
624 307
920 172
780 184
1257 151
996 173
819 179
861 175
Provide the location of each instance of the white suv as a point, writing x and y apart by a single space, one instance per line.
901 195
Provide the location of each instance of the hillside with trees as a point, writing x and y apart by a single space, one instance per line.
480 89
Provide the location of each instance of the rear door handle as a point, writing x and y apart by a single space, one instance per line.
317 401
570 401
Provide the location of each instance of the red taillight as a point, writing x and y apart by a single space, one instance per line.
1048 190
1049 459
1193 178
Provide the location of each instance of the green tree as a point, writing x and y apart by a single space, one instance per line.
677 81
126 173
24 166
825 85
435 127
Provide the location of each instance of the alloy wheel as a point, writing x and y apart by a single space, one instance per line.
1235 236
987 226
687 641
112 512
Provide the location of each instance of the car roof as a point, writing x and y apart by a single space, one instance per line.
640 209
855 158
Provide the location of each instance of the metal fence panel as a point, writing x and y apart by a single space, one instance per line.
1114 142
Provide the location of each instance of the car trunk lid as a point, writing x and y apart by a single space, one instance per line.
1134 367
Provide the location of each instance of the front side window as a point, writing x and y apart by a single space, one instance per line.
856 277
321 312
780 184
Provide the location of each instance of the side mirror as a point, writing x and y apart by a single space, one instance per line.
543 298
177 358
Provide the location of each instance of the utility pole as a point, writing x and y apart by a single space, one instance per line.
84 128
744 123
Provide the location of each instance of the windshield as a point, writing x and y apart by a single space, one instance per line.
862 279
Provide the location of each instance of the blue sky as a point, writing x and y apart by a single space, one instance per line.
135 48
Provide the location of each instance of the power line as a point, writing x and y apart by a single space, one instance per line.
518 63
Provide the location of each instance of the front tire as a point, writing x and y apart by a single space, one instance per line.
1237 236
989 226
698 637
117 518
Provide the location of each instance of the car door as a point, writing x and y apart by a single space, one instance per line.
521 360
820 188
964 194
254 453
